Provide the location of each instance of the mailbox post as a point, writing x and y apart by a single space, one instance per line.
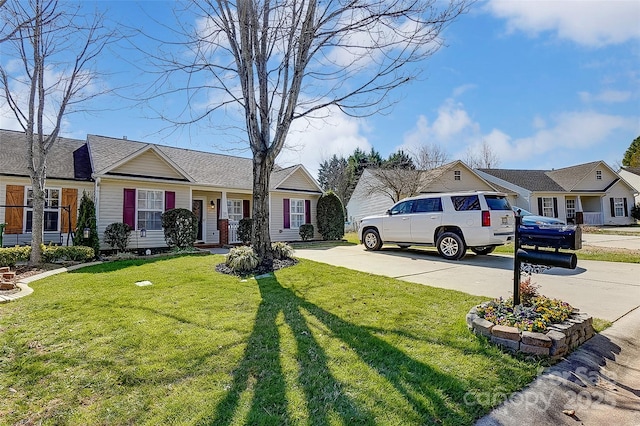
566 237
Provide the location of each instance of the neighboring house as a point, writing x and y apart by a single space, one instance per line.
594 189
134 182
632 175
368 198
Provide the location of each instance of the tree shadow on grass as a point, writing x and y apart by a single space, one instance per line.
434 397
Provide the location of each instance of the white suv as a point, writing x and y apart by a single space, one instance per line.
452 222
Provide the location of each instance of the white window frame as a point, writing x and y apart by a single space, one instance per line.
152 209
618 207
234 209
48 208
457 175
598 174
570 205
296 212
547 207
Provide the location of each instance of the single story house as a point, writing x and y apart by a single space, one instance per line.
368 198
593 189
134 182
632 175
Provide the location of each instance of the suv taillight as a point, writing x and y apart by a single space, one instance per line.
486 218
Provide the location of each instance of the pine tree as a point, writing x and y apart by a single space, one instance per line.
87 219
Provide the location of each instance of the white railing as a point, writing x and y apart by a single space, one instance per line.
593 218
233 233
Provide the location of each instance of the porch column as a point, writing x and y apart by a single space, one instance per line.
579 215
223 220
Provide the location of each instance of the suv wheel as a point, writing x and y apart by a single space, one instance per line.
483 249
371 240
450 246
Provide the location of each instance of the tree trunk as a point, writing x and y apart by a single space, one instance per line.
262 167
37 223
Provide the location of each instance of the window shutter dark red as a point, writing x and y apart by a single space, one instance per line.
287 213
613 207
218 203
540 212
307 211
129 207
245 208
169 200
555 207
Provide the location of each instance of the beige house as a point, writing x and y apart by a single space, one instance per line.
135 182
593 189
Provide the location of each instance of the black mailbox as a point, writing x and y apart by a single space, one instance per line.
551 236
548 258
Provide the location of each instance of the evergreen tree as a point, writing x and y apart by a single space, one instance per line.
632 155
335 175
399 160
87 219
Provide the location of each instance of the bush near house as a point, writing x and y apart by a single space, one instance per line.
635 212
117 235
330 216
180 228
87 219
306 231
10 256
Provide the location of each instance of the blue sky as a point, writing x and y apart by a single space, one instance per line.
547 84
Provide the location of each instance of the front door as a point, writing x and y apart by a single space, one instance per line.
196 208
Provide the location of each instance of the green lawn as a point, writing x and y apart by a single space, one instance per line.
312 344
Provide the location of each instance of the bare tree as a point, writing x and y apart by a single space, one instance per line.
395 183
484 158
57 48
284 60
430 156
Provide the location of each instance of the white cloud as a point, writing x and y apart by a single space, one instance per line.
311 142
589 23
606 96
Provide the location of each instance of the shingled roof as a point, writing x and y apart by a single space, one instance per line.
532 180
67 159
217 170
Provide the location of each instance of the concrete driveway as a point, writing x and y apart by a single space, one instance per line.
606 290
631 242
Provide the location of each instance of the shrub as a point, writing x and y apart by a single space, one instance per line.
306 231
87 219
180 227
72 253
244 230
330 216
117 235
635 212
242 259
282 250
528 291
11 255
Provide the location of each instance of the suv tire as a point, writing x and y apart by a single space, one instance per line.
450 246
371 240
483 249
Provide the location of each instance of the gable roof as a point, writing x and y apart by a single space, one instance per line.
565 179
67 158
206 168
633 170
432 175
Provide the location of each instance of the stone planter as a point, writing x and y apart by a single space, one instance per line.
555 342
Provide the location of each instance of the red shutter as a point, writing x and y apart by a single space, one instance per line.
626 210
245 208
218 203
129 207
540 212
307 211
555 207
169 200
286 210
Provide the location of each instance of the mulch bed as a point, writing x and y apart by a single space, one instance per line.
277 264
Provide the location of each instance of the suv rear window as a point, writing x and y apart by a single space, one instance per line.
497 202
465 202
